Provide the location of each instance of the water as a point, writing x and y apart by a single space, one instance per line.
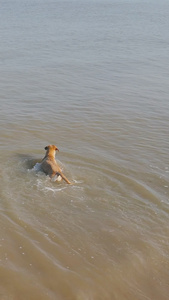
92 78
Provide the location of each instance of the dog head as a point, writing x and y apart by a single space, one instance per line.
50 150
51 147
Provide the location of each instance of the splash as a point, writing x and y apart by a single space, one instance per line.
36 168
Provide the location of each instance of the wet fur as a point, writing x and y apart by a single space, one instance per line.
49 165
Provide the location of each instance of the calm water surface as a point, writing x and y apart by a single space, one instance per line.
92 78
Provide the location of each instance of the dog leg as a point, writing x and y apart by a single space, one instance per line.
63 176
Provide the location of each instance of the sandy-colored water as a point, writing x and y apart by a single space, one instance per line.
92 78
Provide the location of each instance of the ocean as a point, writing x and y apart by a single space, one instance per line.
90 77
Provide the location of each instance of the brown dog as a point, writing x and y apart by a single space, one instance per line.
49 164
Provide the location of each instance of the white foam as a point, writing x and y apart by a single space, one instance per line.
54 189
76 181
37 167
45 185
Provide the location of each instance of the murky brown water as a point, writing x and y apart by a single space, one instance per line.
91 78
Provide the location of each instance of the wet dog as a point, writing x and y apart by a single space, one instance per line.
49 165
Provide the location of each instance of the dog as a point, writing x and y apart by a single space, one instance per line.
49 165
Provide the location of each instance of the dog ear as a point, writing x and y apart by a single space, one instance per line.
46 148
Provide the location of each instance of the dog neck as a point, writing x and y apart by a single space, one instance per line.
50 154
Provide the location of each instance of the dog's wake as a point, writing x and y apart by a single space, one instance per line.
44 183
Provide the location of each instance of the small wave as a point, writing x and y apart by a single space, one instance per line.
54 189
46 185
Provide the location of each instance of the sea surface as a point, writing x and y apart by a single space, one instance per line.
92 78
